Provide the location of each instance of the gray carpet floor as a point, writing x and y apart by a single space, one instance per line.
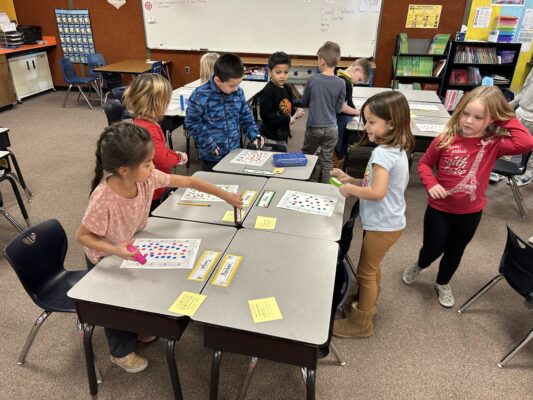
419 350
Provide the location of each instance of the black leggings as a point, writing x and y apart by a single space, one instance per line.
447 235
121 343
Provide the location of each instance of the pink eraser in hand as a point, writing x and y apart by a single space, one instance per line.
139 257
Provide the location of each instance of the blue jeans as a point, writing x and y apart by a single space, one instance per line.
342 145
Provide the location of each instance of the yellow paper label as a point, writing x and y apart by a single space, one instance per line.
204 265
226 270
248 197
278 171
229 216
187 303
265 223
264 309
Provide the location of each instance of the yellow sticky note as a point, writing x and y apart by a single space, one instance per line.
278 170
229 216
265 223
187 303
265 309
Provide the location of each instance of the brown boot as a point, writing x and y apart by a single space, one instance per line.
336 161
353 295
359 324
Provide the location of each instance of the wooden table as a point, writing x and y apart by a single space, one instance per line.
133 66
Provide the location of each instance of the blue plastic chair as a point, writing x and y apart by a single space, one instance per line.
107 80
157 67
71 77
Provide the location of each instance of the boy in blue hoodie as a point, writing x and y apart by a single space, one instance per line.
217 111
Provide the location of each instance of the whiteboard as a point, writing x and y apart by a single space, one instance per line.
298 27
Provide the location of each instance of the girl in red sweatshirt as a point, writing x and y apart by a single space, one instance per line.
147 99
482 129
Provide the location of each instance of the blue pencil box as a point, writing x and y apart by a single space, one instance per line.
289 159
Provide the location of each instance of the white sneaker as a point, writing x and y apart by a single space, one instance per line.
446 298
410 274
131 363
530 240
522 180
494 177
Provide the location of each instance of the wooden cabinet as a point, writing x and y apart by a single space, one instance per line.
31 74
7 93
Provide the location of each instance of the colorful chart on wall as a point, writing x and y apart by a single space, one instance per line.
308 203
75 34
195 195
252 157
165 253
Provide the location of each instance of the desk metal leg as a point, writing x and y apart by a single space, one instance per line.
12 180
19 177
311 376
248 378
215 373
173 369
89 358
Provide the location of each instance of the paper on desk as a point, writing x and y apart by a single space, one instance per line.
264 310
265 223
430 127
226 270
423 107
187 303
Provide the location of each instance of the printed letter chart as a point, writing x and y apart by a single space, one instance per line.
187 303
165 253
264 310
195 195
308 203
252 157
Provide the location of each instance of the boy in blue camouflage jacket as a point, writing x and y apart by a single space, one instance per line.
217 111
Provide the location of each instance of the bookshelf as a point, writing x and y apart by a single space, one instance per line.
420 62
470 61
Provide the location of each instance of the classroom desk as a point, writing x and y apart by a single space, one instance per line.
424 96
298 173
194 84
299 223
138 300
299 272
131 66
213 211
419 109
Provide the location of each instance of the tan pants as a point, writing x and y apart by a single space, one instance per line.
374 248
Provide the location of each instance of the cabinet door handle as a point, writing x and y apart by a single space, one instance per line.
33 62
28 65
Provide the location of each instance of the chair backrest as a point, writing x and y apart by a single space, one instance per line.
69 73
347 232
114 111
157 67
94 61
516 264
523 163
37 256
118 92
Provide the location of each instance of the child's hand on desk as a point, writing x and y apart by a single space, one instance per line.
437 192
340 175
122 251
234 199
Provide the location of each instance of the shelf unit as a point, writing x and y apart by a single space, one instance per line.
418 49
505 70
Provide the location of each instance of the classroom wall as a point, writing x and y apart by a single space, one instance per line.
8 7
127 39
522 68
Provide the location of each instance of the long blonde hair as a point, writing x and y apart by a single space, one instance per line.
207 65
496 106
147 97
392 107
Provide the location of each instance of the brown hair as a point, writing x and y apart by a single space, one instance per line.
207 66
496 106
147 97
364 64
122 144
392 107
330 52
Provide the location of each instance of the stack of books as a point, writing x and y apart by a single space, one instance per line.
439 43
452 99
476 55
404 47
506 27
506 56
474 76
413 66
500 80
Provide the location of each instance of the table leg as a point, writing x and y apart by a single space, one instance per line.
29 194
173 369
311 384
215 373
89 358
10 177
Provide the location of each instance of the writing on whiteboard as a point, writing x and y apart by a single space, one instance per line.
330 16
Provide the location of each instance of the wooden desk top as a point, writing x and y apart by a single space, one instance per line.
50 42
133 66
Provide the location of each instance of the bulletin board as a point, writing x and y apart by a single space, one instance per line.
298 27
75 34
523 9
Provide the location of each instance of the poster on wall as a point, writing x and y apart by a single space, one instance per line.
508 2
423 16
75 34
